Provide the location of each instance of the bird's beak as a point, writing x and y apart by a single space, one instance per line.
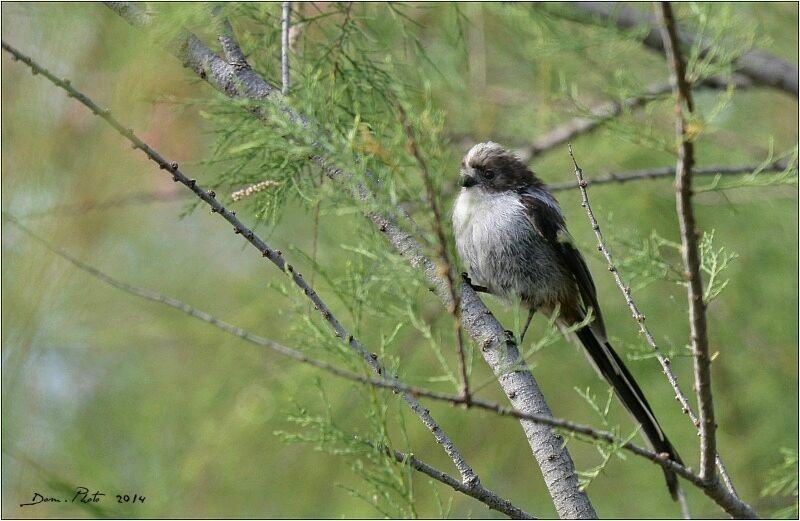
468 180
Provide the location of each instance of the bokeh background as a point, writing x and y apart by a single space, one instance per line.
103 390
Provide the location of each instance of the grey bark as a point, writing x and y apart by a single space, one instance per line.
519 385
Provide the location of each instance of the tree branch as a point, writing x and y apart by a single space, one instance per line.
391 383
274 256
286 11
479 492
763 68
547 447
727 500
230 47
604 112
689 250
382 382
447 266
669 171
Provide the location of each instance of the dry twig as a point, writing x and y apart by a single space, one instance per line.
286 12
275 256
726 498
447 266
383 382
519 385
690 251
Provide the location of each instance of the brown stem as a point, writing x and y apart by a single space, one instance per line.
689 248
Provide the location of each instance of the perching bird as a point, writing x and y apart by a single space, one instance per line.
512 238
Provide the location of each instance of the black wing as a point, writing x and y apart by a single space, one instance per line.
546 218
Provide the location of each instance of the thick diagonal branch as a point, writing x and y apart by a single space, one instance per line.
275 256
504 359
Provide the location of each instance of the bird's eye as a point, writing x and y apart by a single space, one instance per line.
488 174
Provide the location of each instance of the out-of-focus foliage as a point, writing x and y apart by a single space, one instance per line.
120 395
783 484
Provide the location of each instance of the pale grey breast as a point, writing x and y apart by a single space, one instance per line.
503 252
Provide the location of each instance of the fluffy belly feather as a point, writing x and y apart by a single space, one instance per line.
503 252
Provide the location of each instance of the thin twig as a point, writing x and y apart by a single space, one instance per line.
690 252
638 316
669 171
383 381
726 498
447 266
286 11
552 456
274 256
604 112
492 499
112 203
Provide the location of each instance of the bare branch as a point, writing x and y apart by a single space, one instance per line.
726 498
483 495
479 492
112 203
547 447
689 249
383 381
604 112
638 316
669 171
286 12
274 256
764 69
227 39
447 266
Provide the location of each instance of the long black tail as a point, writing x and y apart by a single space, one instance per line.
614 371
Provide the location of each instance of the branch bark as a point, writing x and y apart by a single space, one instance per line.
669 171
479 492
604 112
763 68
286 12
275 256
519 384
689 249
382 382
727 499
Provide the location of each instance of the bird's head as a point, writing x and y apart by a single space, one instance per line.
495 169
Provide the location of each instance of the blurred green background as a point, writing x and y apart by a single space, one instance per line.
106 391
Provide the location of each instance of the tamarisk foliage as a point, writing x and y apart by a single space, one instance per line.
382 100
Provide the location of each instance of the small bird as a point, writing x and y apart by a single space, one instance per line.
511 236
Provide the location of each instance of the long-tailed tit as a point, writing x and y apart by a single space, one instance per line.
511 236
